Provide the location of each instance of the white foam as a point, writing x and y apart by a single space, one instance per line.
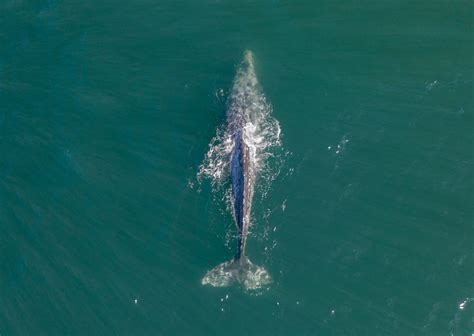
261 133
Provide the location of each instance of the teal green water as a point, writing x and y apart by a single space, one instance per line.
106 112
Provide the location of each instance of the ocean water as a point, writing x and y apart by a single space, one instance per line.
107 111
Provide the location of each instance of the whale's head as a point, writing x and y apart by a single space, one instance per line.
248 57
248 68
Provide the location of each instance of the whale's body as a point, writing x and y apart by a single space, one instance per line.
242 182
242 111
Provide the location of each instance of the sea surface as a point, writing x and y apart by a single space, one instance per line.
107 111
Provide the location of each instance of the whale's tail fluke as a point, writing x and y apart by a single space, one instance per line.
238 270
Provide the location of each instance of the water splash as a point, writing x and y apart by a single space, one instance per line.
262 132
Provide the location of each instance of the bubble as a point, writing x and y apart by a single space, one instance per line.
463 304
431 85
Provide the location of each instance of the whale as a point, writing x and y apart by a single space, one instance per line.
241 114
